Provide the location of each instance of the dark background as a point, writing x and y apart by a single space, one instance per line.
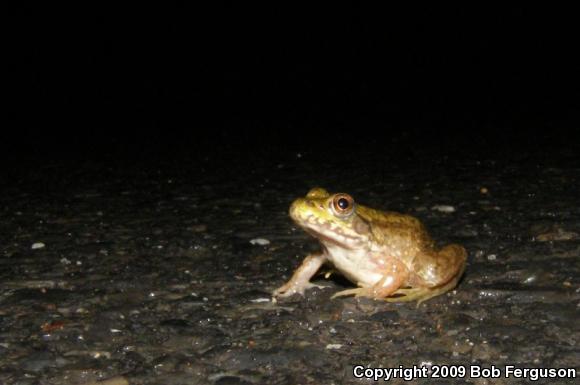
147 147
178 80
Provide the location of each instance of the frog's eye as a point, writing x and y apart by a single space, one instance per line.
342 205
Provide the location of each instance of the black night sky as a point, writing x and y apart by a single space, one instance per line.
174 78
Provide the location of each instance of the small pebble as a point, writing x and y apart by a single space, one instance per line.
37 245
258 300
260 241
443 208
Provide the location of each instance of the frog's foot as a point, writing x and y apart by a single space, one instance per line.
419 294
290 288
411 294
300 281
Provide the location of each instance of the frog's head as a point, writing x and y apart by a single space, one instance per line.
331 218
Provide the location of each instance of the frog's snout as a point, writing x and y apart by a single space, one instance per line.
300 206
294 208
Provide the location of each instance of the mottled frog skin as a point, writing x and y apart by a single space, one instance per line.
388 255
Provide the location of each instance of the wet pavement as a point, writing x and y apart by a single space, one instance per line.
147 271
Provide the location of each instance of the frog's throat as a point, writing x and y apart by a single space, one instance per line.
341 240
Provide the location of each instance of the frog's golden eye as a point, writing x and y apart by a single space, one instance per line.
342 205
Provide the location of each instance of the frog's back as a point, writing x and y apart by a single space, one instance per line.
390 225
388 217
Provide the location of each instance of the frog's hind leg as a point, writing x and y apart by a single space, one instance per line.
372 291
394 274
421 294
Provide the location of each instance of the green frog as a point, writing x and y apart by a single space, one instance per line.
388 255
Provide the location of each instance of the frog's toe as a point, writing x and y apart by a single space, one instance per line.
358 292
281 292
408 291
329 272
406 295
288 290
418 294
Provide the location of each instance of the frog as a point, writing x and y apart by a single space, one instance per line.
388 255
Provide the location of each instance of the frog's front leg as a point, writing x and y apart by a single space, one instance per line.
300 280
394 275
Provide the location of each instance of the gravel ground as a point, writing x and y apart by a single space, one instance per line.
156 271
